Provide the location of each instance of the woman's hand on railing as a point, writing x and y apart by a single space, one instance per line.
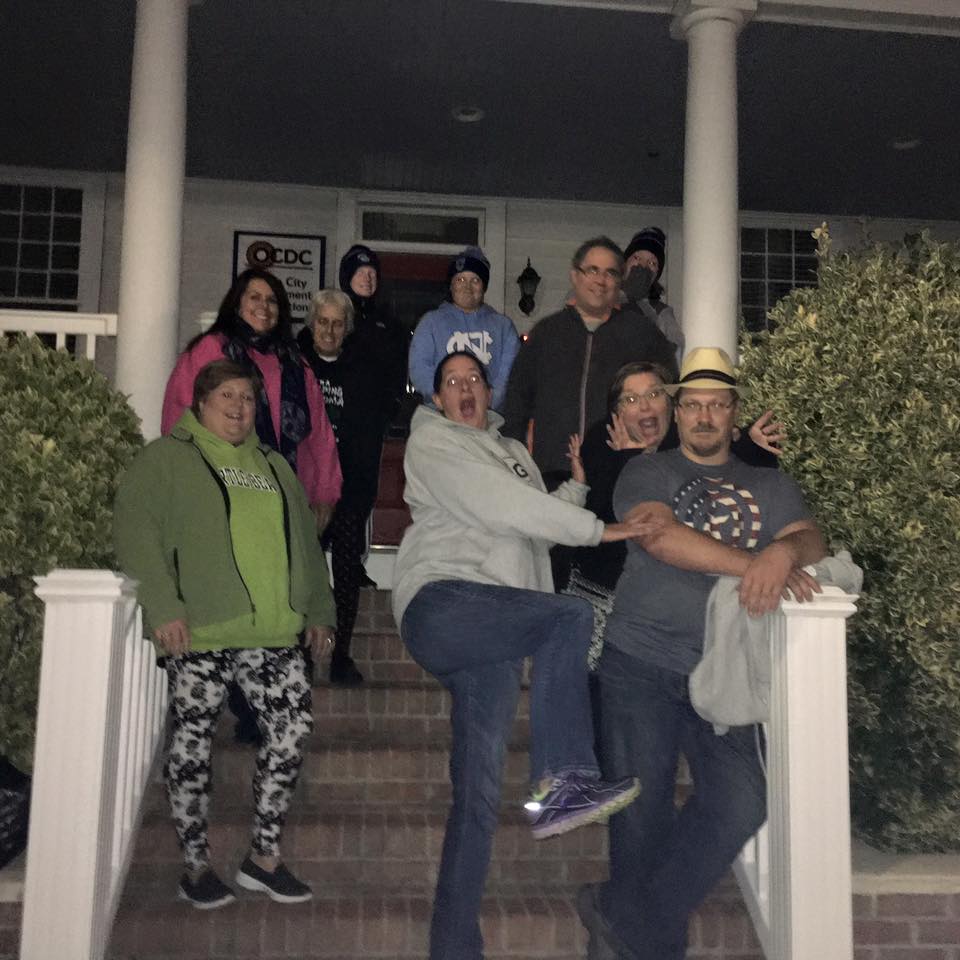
174 637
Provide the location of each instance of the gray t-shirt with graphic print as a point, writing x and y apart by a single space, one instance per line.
659 610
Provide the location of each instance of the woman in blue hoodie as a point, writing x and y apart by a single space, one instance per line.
465 322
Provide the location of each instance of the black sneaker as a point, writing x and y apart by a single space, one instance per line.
344 672
280 885
207 892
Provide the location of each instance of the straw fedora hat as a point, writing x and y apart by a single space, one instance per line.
707 368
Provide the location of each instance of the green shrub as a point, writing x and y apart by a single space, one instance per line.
65 436
865 371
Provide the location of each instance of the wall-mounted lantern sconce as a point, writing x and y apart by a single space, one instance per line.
529 280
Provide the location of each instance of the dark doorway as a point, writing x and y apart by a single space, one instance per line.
410 285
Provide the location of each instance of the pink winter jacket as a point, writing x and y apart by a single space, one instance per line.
317 465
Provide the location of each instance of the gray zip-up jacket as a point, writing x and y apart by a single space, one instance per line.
480 510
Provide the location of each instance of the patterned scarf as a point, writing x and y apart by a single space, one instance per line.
294 413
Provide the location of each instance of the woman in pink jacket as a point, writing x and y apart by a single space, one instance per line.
253 328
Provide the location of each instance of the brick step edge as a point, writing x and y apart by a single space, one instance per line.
396 849
341 926
348 925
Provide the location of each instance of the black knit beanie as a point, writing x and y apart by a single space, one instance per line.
356 257
471 259
652 239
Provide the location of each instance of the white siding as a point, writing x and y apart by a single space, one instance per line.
546 231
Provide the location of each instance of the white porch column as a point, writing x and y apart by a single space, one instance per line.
153 208
710 202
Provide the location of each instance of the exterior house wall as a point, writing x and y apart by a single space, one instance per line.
546 231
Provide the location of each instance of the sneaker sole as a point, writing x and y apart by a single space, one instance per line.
251 883
598 814
205 904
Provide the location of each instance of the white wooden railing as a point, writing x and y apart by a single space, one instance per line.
99 728
61 325
795 874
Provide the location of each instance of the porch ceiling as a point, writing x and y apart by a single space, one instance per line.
580 103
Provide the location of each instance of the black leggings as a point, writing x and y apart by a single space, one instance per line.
346 538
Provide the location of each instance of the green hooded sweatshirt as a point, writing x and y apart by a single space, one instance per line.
223 537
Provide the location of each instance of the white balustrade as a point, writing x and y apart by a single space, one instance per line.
60 325
795 874
99 729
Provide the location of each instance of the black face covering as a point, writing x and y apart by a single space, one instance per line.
638 283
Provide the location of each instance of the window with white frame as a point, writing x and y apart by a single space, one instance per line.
773 261
40 242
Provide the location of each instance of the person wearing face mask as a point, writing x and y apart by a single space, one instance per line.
349 380
644 260
465 322
562 372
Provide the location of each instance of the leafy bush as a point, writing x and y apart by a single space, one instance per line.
65 436
865 371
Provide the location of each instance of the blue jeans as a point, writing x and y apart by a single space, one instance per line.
663 863
473 638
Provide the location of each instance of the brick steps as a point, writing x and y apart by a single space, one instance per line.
355 771
414 709
381 656
370 925
391 925
370 846
365 829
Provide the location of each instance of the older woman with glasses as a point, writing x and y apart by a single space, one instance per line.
350 378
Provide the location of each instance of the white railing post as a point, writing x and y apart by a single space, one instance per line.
808 782
80 787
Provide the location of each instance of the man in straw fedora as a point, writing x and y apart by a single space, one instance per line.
719 517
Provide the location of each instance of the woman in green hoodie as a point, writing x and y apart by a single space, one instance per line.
219 533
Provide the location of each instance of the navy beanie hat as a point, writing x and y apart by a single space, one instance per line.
652 239
356 257
471 259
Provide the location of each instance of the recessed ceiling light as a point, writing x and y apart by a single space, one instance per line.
902 145
467 114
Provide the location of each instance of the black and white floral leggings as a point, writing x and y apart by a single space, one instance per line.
275 685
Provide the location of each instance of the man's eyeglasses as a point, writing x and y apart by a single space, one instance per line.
461 280
632 399
690 407
595 273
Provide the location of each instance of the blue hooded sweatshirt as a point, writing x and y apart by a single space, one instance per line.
489 335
